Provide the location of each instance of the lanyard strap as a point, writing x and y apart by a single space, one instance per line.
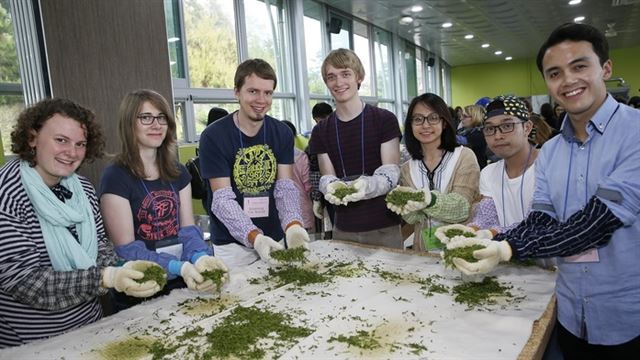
264 133
431 174
504 174
335 117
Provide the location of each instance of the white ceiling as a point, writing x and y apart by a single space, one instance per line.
516 27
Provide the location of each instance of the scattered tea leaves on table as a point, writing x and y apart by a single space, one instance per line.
475 294
363 340
297 275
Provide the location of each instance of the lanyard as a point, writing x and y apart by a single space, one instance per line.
344 170
153 202
430 174
586 179
504 175
264 133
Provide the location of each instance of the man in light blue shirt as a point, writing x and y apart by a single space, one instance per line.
586 204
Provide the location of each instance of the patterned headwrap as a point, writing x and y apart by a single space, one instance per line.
507 105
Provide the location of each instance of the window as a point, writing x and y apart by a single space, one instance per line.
409 56
176 57
341 40
313 31
11 98
420 72
211 42
361 48
384 66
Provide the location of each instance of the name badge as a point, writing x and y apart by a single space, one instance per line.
590 255
256 206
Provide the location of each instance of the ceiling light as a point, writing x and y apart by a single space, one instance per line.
579 19
173 39
575 2
416 8
499 52
468 36
484 46
508 58
406 20
447 25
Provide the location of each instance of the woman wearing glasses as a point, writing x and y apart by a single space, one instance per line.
444 171
146 197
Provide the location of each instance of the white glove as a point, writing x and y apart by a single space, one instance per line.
484 234
360 185
411 205
488 258
123 279
440 231
318 209
297 236
331 189
208 263
192 277
264 245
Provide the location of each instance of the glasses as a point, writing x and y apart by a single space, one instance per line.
504 128
433 119
147 119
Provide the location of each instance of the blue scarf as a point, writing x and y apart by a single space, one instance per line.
55 217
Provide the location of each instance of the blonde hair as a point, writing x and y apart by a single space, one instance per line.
343 59
477 114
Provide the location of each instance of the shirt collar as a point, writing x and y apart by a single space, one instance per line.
598 122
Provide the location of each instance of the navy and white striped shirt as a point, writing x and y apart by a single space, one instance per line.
36 301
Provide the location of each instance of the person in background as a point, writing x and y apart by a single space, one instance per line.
320 112
541 131
145 198
55 259
634 102
546 110
470 131
586 203
303 183
357 146
247 158
560 113
447 173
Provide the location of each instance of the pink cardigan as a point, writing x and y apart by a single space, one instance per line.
301 179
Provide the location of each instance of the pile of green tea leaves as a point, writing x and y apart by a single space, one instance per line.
240 334
214 275
297 275
431 285
475 294
465 253
457 232
363 340
154 273
400 198
340 193
288 256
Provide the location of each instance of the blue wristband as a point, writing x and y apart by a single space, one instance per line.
197 256
175 266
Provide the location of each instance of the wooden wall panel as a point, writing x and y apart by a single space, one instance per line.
99 50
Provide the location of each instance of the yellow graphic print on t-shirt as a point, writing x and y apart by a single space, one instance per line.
254 169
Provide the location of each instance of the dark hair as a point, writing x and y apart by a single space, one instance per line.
448 137
32 119
216 113
261 68
546 110
634 101
129 156
576 32
321 110
291 126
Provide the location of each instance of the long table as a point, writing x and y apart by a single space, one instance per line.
379 291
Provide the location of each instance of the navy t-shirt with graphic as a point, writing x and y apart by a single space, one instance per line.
155 205
251 163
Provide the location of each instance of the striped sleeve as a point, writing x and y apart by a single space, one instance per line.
542 236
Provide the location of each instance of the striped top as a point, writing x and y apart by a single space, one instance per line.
36 301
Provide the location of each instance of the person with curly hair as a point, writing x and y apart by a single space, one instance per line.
55 259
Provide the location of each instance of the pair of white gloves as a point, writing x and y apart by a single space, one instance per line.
411 205
488 258
367 187
124 278
296 237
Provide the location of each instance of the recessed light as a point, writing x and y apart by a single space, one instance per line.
468 36
498 52
579 19
508 58
406 20
447 25
416 8
484 46
575 2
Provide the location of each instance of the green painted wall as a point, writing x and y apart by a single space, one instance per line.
522 78
186 152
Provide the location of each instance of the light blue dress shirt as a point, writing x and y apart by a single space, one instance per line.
597 301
